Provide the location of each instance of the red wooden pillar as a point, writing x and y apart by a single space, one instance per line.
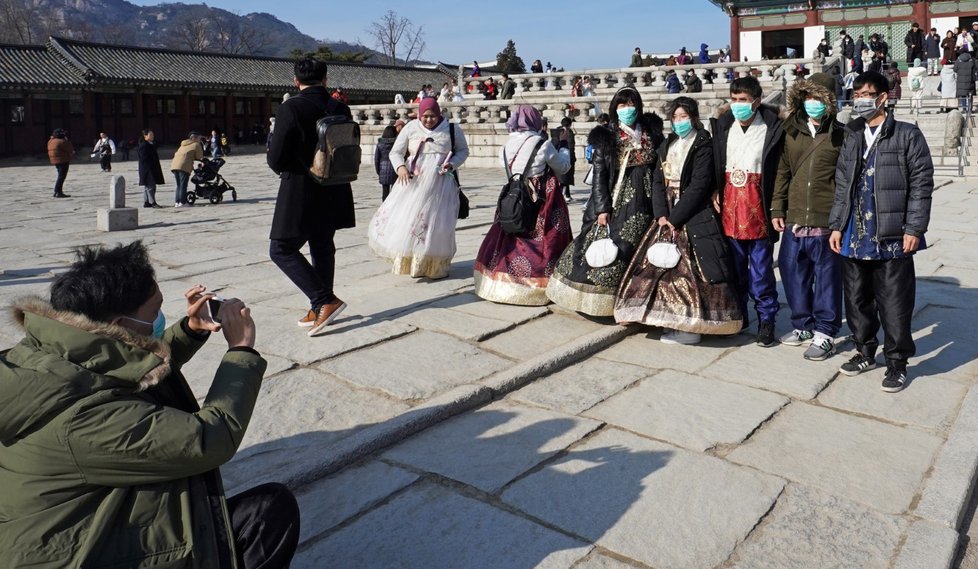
921 16
139 110
734 37
90 118
185 118
228 112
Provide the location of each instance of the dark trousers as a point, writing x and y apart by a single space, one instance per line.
385 190
106 162
753 260
315 279
265 524
812 276
881 292
59 184
182 179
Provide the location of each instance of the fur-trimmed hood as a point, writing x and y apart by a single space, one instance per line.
65 357
804 89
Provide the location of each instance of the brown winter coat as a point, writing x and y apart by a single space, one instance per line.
60 151
183 159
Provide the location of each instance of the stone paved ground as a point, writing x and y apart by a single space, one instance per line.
554 440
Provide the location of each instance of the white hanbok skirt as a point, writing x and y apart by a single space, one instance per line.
415 227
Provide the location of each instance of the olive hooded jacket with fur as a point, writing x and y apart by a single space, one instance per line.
805 184
105 457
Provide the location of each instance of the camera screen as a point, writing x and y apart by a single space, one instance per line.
214 304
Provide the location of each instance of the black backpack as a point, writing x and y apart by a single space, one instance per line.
517 208
337 157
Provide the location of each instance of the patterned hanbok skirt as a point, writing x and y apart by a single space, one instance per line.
415 227
577 286
515 269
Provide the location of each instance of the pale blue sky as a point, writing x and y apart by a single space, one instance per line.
573 34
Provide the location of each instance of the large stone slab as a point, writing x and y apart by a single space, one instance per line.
781 369
647 352
490 447
469 303
331 501
432 527
540 335
580 386
416 366
942 349
648 501
302 410
929 402
808 528
930 545
200 370
873 463
690 411
306 407
952 478
459 324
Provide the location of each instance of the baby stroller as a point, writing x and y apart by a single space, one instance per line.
209 184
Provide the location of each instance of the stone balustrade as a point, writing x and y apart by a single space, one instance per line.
484 121
581 109
767 72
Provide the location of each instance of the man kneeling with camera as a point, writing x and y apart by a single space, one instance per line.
106 459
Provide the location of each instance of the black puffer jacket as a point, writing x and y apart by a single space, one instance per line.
694 210
965 68
604 157
773 143
904 178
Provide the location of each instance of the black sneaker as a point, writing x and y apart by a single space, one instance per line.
894 380
858 364
765 334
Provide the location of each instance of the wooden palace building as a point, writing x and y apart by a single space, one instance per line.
86 88
772 29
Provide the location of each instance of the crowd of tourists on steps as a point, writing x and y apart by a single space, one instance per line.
680 229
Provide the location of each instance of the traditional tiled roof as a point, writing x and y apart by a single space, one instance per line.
752 7
34 66
71 64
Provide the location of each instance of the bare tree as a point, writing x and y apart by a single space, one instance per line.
232 35
192 33
17 19
392 33
252 40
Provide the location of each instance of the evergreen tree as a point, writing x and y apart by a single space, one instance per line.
507 61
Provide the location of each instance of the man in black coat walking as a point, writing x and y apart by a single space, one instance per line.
306 212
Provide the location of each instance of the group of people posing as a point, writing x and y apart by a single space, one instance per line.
679 231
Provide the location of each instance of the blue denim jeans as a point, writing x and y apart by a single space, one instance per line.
182 179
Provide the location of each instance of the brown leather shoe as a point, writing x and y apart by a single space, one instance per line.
327 313
308 320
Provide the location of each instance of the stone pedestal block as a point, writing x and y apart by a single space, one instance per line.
118 219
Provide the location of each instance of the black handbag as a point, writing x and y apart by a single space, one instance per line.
463 200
